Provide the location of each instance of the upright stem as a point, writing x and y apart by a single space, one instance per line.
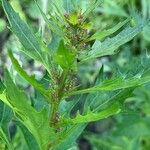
62 84
57 99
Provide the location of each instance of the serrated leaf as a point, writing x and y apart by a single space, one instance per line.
70 135
110 45
93 116
64 57
117 84
30 79
108 108
123 81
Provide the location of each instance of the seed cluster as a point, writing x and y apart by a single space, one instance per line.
76 30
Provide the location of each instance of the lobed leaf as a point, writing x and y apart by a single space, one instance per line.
36 122
111 106
93 116
117 84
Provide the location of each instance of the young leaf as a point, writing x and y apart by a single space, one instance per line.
30 79
64 57
73 18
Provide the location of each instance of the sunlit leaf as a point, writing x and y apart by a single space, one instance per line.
65 57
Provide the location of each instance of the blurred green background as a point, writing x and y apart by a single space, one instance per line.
127 131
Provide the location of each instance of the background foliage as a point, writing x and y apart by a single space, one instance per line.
128 130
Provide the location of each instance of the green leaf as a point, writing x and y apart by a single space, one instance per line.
113 8
51 24
2 87
109 107
69 137
64 57
5 118
30 79
33 47
36 122
93 116
73 18
110 45
117 83
100 35
30 141
66 107
119 97
4 139
2 25
92 6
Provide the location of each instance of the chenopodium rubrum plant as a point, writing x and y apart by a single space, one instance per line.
54 126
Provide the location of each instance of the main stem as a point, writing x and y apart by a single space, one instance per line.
54 118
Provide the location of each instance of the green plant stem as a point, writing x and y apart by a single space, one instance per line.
54 108
62 85
57 99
